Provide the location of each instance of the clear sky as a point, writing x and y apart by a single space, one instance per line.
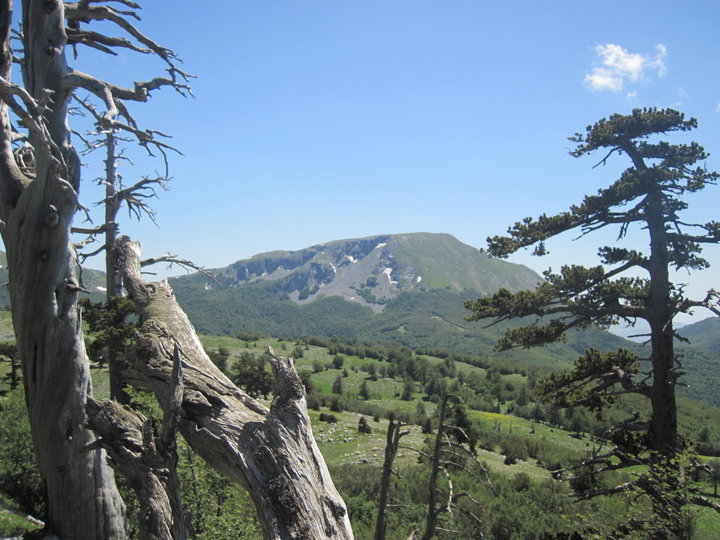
322 120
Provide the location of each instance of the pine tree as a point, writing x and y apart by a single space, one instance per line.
337 387
628 285
364 393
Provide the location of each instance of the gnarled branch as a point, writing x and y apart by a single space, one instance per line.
271 452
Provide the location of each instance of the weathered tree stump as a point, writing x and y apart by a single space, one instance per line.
271 452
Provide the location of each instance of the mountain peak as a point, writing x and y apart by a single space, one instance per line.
373 270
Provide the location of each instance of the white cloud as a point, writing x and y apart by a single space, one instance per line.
620 66
717 109
603 79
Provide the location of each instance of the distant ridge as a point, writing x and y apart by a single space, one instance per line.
704 334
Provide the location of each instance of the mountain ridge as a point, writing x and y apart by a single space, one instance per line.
375 269
408 289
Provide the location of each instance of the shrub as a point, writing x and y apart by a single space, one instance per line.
363 426
335 405
520 482
19 476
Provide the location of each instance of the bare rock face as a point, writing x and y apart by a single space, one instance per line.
374 270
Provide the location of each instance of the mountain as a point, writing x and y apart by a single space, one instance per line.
372 271
699 360
703 335
407 289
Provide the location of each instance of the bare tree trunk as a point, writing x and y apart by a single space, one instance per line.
112 272
113 279
148 462
37 207
433 510
391 448
272 453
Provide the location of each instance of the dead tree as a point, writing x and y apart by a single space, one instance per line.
110 134
148 462
448 455
271 452
134 197
38 197
39 189
391 448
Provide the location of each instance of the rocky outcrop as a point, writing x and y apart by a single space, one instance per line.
373 270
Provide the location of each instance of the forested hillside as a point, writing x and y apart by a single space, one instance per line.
403 289
262 295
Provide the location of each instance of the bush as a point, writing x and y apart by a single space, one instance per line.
521 482
19 476
335 405
514 448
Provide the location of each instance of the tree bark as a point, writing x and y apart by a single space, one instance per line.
433 510
37 209
113 279
663 421
391 448
272 453
148 462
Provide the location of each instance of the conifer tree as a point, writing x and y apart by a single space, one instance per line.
629 285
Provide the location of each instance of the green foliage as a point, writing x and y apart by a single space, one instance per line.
110 324
648 194
19 476
8 351
584 296
713 472
363 392
337 387
215 507
249 374
335 404
458 425
363 426
587 384
14 523
427 319
220 358
408 389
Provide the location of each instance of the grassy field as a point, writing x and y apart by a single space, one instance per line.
341 442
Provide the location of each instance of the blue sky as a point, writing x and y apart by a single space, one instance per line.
321 120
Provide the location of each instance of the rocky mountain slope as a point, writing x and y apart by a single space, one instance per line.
407 289
372 271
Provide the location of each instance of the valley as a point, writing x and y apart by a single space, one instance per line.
378 330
